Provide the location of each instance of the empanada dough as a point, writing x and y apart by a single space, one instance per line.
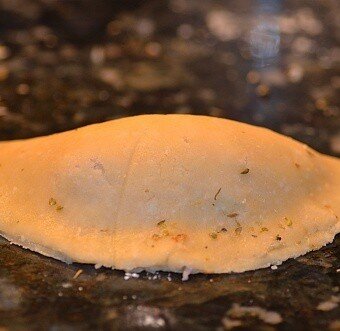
168 192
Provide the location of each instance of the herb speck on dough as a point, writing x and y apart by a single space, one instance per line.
254 235
179 237
217 193
238 230
245 171
297 165
223 230
289 222
278 238
156 236
52 202
232 215
264 229
58 208
213 235
161 223
310 153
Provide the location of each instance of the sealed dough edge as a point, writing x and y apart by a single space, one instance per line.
168 192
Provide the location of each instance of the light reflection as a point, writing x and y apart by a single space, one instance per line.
264 36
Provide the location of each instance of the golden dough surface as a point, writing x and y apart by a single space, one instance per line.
168 192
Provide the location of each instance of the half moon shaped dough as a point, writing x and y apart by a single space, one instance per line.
168 192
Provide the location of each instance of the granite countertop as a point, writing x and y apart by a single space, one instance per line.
65 64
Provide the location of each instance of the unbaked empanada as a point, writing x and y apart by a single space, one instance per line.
168 192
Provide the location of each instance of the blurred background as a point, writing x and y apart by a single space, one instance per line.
65 64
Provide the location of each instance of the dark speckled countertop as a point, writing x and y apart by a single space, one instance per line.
65 64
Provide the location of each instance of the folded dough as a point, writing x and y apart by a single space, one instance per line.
168 192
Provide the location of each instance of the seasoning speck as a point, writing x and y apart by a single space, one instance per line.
217 193
310 153
238 230
52 202
213 235
245 171
278 238
179 237
156 236
264 229
232 215
161 223
289 222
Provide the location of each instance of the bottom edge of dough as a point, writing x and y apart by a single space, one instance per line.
177 266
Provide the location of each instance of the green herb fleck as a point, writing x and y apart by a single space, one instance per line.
264 229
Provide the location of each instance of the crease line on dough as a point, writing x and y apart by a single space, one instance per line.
123 189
